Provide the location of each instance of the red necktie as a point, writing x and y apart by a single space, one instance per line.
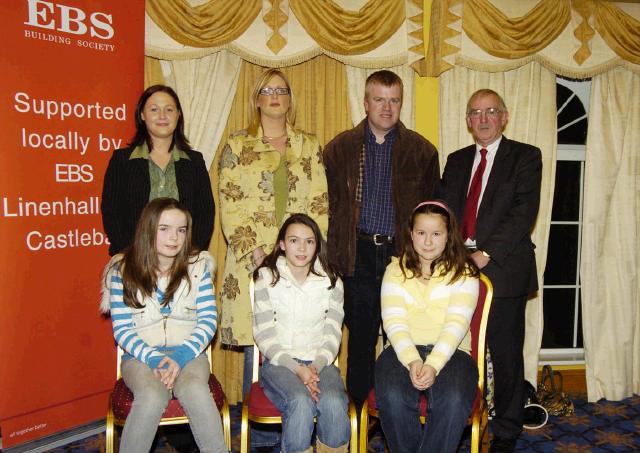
468 227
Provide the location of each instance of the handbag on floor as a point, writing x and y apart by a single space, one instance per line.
550 394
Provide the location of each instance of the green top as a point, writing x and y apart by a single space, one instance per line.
162 182
281 189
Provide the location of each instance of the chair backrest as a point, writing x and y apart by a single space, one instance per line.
478 327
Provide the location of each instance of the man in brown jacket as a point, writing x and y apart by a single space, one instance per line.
377 173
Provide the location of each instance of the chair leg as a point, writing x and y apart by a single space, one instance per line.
364 427
226 423
244 427
109 437
353 418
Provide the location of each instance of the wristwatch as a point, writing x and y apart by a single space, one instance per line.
485 254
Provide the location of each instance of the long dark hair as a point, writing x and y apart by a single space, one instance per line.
139 264
455 257
142 134
271 259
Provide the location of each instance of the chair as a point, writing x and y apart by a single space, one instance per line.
479 412
257 408
121 399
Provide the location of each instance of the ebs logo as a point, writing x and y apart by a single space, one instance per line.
69 19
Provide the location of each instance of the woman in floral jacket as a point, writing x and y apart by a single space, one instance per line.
267 172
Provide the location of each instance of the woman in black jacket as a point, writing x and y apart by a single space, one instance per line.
158 162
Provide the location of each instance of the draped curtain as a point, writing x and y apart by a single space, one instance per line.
573 38
529 93
276 33
611 218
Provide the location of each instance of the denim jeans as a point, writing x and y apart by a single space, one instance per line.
449 399
287 392
362 315
150 398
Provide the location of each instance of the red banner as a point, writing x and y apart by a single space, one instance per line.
72 71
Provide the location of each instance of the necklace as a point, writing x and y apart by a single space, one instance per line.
275 138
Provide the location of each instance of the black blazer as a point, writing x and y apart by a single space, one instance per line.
507 212
126 192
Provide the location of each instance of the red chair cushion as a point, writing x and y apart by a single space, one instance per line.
122 399
373 406
259 404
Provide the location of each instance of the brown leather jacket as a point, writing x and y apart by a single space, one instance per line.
415 173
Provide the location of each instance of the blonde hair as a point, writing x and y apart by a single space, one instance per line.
385 78
254 110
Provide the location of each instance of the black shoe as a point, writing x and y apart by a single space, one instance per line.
535 416
500 445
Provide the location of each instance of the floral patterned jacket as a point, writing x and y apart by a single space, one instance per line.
247 212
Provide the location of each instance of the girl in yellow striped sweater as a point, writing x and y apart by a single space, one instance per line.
428 298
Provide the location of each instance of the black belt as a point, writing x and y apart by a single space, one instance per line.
377 239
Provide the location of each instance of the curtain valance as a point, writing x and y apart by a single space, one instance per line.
573 38
277 33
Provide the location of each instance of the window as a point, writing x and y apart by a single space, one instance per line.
562 335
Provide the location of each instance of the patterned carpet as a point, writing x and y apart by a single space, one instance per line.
596 428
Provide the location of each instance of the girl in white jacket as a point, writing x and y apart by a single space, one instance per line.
297 325
163 311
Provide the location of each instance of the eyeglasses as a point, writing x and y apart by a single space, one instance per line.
491 112
280 91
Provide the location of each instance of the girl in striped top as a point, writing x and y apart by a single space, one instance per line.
428 299
297 325
160 294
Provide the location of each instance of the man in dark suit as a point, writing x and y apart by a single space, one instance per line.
493 187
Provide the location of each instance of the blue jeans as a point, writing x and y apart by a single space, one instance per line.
362 315
287 392
449 399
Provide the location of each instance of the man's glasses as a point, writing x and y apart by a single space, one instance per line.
491 112
268 91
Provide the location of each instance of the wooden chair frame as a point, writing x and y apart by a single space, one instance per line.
479 417
247 417
112 421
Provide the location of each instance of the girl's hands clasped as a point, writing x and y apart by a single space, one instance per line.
310 378
167 371
422 375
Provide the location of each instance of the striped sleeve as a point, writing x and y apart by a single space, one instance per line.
394 299
264 327
463 298
332 331
207 322
122 323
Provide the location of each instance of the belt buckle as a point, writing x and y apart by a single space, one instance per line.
378 236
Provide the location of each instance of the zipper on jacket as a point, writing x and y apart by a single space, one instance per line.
164 327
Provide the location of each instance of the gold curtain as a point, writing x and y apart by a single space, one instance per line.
321 93
513 38
603 30
213 23
439 51
620 31
152 72
349 32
